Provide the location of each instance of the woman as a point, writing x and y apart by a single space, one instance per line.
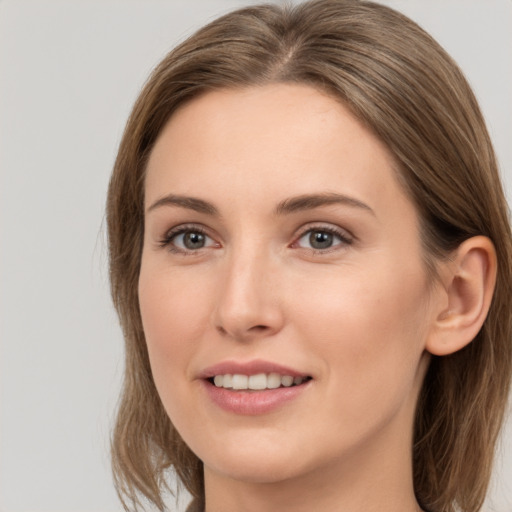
310 257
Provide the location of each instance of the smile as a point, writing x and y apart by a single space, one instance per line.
254 387
256 382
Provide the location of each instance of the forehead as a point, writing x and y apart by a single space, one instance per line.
262 142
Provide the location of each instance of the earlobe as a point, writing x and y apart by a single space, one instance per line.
468 285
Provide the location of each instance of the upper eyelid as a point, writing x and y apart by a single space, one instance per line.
190 226
182 228
169 234
324 226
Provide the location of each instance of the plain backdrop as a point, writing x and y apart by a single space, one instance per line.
69 73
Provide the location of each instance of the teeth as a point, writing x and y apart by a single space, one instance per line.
273 380
256 382
227 381
287 380
240 381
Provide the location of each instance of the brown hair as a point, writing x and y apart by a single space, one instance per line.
409 92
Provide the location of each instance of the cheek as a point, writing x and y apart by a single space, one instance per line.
370 329
174 317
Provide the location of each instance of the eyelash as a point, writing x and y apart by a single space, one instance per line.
342 235
167 241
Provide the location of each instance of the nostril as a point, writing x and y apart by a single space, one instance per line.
259 328
254 329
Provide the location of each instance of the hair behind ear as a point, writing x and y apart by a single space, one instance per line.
461 404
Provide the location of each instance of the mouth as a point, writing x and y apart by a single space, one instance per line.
254 387
256 382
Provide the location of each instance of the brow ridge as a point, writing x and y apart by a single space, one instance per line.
290 205
190 203
310 201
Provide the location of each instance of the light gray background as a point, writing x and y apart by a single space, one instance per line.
69 73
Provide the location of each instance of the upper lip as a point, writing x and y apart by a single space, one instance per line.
248 368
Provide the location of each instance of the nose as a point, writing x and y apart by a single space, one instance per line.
248 305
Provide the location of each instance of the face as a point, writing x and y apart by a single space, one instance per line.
281 253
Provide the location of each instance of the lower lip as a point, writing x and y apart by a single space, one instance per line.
252 403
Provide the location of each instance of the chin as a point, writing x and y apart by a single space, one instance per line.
270 460
254 458
264 471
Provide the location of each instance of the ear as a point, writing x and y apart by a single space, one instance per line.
468 281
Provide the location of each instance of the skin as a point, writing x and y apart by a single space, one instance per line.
357 316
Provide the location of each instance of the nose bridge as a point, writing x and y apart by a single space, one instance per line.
247 304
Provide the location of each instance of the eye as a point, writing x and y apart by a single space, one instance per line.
323 238
187 239
190 240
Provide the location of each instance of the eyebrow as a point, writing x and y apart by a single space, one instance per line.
190 203
310 201
290 205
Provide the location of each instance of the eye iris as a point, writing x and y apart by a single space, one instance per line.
193 240
320 239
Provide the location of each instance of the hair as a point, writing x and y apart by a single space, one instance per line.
406 89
